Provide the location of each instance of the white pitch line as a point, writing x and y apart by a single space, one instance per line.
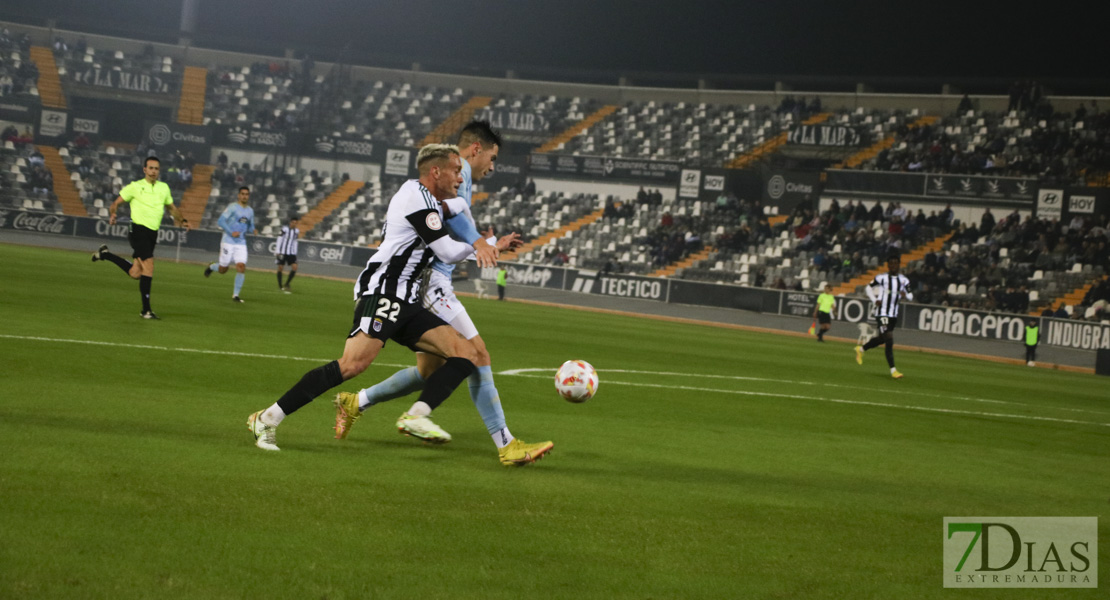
841 401
171 349
526 373
903 391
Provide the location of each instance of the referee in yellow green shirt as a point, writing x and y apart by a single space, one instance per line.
823 311
149 198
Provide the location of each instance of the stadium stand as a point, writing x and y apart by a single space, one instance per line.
1018 264
18 73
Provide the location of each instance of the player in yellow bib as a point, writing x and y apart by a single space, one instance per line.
826 302
148 198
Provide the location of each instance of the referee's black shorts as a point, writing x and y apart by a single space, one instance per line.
824 318
142 241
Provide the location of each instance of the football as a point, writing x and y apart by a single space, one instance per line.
576 381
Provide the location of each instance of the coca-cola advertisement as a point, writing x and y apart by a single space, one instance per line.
38 222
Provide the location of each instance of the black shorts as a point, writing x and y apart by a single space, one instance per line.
142 241
285 259
387 318
886 324
824 318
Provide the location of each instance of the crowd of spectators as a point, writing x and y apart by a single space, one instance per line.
844 236
19 140
1056 147
998 257
17 76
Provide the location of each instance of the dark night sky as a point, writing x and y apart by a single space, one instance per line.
801 37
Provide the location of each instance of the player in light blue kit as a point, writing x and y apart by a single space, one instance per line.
236 221
478 146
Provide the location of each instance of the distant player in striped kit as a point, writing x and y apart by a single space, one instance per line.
286 252
237 221
886 292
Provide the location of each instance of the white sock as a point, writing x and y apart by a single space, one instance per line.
420 409
273 415
363 401
502 437
892 369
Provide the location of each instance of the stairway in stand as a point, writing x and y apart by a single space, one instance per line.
577 128
195 200
64 189
190 107
50 85
1074 297
690 259
918 253
560 232
329 204
772 145
448 130
873 150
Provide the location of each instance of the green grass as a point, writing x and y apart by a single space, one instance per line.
127 472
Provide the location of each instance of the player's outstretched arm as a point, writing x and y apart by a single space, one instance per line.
508 242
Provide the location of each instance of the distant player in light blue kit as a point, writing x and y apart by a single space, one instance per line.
478 146
237 221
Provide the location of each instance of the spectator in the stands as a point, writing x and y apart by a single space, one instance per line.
819 258
877 212
965 105
986 223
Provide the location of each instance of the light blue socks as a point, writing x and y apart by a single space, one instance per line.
486 400
398 385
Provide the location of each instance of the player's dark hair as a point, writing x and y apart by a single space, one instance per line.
479 131
245 188
150 158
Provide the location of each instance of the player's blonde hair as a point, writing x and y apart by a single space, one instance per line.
433 153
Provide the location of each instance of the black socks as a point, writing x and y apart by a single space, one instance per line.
116 260
144 291
314 383
444 381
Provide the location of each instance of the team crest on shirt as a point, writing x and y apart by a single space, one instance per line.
377 324
434 222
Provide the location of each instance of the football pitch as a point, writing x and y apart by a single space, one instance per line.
713 462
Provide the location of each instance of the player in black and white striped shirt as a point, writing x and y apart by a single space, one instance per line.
389 303
285 252
886 292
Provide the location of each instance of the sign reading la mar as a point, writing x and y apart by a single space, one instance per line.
123 80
